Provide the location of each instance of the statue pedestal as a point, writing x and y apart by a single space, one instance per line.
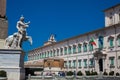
2 43
12 61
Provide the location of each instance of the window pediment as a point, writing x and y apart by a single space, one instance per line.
85 43
118 36
110 38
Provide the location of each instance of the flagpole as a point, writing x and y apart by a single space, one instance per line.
88 52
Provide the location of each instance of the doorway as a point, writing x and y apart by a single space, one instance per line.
100 64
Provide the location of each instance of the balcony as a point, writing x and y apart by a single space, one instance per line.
112 66
91 66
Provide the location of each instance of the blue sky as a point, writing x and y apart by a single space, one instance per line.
64 18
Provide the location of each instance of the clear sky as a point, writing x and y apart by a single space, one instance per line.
64 18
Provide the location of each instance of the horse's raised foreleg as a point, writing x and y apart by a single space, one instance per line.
29 38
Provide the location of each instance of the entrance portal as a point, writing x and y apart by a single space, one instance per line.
101 64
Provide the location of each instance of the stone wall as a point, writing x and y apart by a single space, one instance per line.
3 28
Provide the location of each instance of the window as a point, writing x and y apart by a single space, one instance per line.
85 63
119 17
111 42
100 42
90 47
40 55
85 47
70 64
111 61
61 51
79 63
110 39
91 63
47 54
69 49
79 48
111 20
118 40
36 57
57 52
74 49
50 53
74 63
118 60
54 52
65 50
43 55
65 64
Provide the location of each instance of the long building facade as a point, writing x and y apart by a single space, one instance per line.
97 50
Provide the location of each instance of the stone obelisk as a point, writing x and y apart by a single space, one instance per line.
3 23
2 8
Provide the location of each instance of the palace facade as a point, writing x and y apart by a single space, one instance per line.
97 50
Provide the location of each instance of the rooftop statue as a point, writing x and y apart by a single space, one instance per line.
15 41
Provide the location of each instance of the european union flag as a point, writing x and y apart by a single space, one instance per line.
101 40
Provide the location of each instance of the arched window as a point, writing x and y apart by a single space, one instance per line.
100 41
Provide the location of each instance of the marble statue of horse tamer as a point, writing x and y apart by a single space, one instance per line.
15 41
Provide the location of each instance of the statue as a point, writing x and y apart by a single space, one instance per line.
15 41
21 25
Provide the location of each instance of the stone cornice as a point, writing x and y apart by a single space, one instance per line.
81 35
111 7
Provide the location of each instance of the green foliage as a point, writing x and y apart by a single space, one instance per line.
79 73
111 73
105 73
94 73
87 73
117 74
3 73
69 73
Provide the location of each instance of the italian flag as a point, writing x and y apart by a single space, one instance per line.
92 41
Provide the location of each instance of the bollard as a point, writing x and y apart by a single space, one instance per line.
29 76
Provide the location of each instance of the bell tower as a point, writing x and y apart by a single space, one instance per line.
3 23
